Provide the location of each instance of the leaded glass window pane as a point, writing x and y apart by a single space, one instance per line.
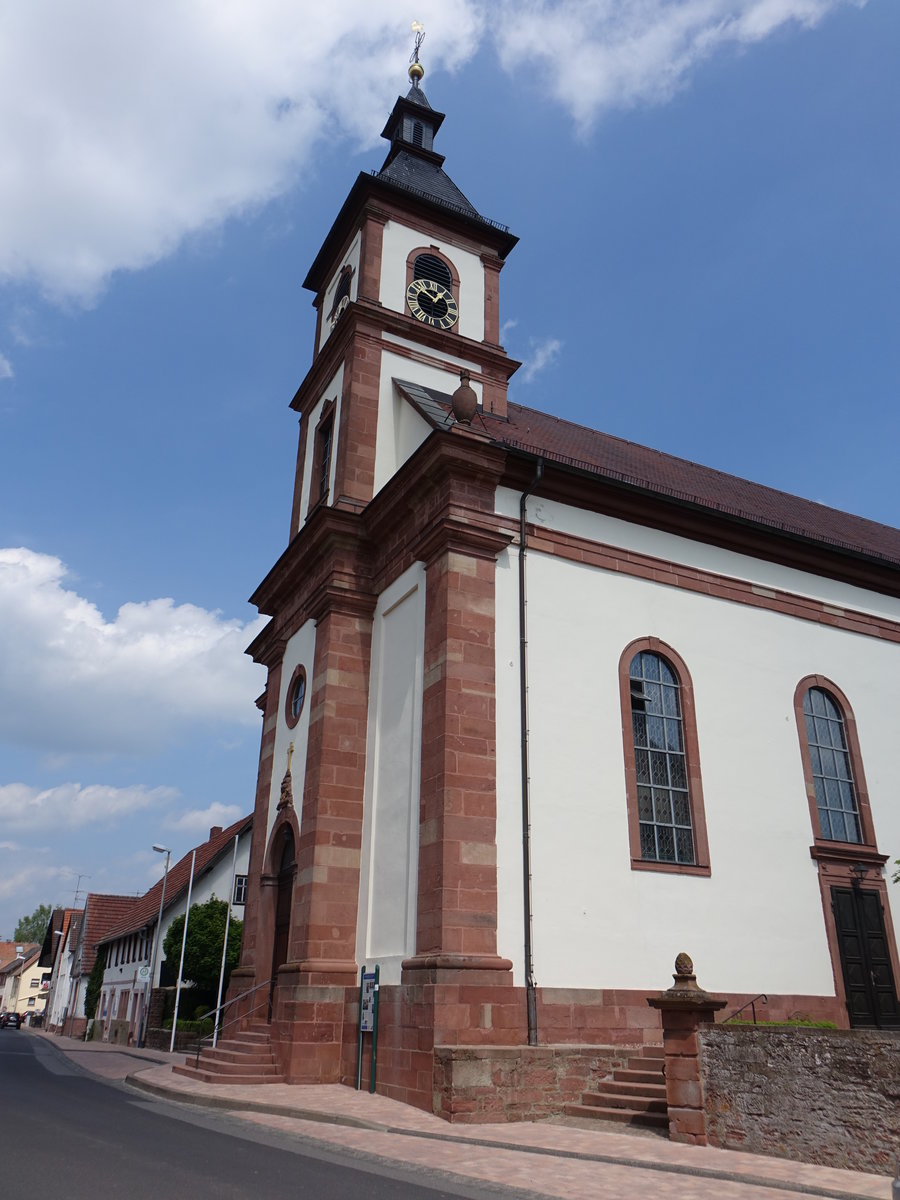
664 813
831 767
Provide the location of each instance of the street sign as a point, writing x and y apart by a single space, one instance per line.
368 1022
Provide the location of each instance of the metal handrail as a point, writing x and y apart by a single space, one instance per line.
208 1037
215 1011
751 1004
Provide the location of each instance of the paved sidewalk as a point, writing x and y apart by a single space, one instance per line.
542 1159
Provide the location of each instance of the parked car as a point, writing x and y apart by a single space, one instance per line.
11 1020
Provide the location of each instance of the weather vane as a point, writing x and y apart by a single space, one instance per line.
416 70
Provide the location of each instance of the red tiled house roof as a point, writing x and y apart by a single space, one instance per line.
145 908
101 913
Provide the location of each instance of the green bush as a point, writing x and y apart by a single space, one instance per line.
203 1028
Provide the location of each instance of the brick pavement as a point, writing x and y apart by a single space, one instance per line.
541 1159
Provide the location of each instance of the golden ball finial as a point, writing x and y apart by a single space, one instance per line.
416 72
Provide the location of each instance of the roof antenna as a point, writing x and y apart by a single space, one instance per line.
416 70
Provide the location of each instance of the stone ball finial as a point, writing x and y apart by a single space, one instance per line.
464 402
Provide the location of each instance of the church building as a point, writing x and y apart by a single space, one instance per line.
545 707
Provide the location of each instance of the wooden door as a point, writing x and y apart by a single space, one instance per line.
865 958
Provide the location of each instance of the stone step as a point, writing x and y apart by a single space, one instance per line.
647 1065
625 1116
635 1103
647 1091
250 1037
229 1055
215 1077
236 1068
627 1075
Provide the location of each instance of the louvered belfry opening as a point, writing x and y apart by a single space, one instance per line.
429 266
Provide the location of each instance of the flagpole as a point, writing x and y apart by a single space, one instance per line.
183 943
225 944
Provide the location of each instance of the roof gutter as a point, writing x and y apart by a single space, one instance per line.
530 986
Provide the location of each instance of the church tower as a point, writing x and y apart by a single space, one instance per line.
374 824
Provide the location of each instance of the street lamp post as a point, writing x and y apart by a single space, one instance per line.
162 899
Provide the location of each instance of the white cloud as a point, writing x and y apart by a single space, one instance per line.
6 371
596 55
124 127
202 820
72 806
542 355
33 883
73 682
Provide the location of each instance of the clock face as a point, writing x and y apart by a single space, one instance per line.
431 303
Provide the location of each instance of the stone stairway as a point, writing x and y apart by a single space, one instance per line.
635 1095
244 1058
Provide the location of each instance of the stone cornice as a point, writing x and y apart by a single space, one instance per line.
366 319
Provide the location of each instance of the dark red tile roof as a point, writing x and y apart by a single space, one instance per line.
101 913
145 908
605 457
663 474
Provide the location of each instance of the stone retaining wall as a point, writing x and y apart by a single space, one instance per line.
821 1096
517 1083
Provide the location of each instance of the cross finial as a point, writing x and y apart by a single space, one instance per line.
416 70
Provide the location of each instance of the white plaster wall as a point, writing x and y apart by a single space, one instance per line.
400 429
756 924
351 258
332 392
399 241
300 649
614 532
386 931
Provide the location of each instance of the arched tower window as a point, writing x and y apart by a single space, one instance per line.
666 821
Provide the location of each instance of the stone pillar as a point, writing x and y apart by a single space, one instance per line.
456 969
683 1009
322 954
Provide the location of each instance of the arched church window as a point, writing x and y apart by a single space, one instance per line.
831 767
666 821
664 803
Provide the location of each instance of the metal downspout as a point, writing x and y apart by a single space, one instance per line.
530 987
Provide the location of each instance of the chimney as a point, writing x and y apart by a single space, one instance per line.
215 831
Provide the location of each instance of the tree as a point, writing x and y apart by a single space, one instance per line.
203 951
33 928
95 984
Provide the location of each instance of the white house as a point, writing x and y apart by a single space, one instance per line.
219 869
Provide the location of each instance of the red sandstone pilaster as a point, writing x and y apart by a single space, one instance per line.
457 897
323 923
243 977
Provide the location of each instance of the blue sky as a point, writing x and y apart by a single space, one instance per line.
706 196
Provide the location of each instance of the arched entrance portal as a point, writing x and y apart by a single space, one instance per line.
284 897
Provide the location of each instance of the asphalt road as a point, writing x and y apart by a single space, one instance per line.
65 1133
